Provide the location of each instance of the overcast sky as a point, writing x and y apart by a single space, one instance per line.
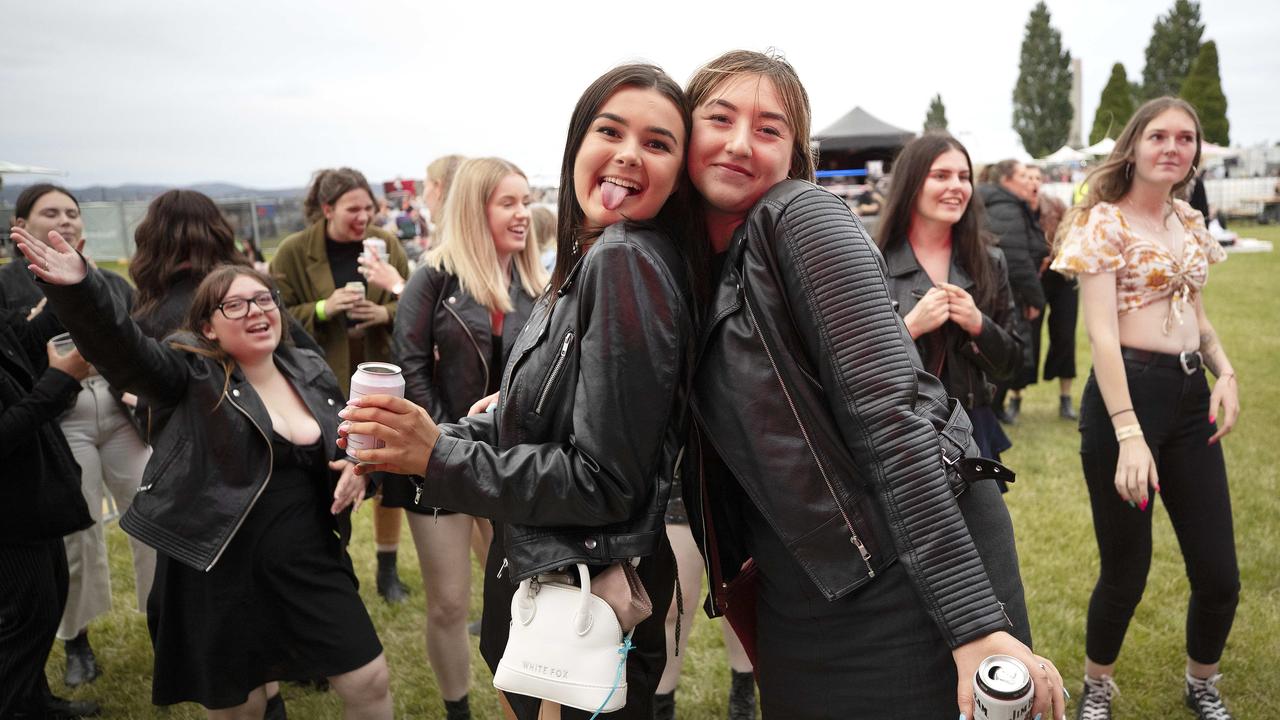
263 93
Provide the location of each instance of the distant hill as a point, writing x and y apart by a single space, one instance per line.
98 193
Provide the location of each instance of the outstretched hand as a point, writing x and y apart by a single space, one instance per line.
350 489
406 430
54 262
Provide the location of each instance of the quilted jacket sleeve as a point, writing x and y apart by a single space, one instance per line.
834 282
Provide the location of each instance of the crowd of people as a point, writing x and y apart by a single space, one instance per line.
701 362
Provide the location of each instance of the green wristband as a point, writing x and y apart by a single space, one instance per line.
320 311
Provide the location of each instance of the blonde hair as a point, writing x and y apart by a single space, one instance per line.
543 224
442 170
466 245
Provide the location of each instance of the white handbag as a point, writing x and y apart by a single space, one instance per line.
565 646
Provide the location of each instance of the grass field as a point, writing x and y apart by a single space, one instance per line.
1055 537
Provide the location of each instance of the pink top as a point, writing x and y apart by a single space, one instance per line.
1102 241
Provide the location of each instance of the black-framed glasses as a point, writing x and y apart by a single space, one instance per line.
236 308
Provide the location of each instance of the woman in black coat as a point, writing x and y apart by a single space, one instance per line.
41 493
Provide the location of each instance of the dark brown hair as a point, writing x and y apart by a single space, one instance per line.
795 100
969 242
1002 170
327 186
182 232
572 234
28 197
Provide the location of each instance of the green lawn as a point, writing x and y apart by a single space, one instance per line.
1055 535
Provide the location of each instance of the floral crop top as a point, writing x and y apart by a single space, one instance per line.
1146 272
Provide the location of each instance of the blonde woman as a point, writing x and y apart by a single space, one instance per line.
459 316
1148 418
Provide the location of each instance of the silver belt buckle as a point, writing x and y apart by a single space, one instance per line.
1184 356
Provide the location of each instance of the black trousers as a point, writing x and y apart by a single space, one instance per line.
1061 311
1173 409
32 595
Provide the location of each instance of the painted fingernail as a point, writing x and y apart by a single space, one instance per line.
1132 505
1067 693
1038 716
1212 418
343 413
1143 506
962 716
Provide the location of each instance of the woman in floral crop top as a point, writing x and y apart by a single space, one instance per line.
1148 420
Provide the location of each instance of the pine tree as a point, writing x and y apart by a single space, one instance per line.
1175 42
936 119
1203 89
1042 98
1114 108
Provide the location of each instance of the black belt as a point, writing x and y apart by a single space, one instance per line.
1188 361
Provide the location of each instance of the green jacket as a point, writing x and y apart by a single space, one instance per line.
301 271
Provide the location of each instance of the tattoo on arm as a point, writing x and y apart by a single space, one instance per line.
1208 342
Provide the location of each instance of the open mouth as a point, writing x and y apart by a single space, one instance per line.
614 190
259 328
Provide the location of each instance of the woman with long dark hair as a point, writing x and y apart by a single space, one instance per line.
459 316
949 281
241 497
1148 418
831 473
575 463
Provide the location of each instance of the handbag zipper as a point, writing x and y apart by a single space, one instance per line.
853 535
555 373
271 457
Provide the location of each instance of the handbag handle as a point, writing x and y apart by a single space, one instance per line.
582 617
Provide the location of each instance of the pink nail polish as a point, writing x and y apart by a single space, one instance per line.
1143 506
1211 419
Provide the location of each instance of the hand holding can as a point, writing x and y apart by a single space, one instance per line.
373 378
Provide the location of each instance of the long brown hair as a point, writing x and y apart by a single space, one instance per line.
969 242
327 186
572 234
795 99
182 232
205 303
1111 181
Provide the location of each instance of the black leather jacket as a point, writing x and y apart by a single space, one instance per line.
808 387
212 451
578 458
443 341
967 363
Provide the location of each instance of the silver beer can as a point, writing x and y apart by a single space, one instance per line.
1002 690
373 378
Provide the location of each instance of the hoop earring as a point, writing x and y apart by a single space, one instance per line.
1128 171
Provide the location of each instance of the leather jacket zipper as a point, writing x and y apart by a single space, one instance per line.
271 459
555 373
853 535
474 343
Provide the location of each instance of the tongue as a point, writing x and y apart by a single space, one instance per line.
612 195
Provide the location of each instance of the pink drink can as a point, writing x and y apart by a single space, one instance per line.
1002 689
373 378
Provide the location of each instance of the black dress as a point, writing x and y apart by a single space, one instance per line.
280 604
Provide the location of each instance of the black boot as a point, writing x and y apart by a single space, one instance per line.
459 709
1065 411
664 706
275 709
1013 408
82 666
56 708
388 580
742 696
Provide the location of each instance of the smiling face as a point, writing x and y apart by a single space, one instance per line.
946 190
251 337
54 211
1166 149
741 145
349 217
507 213
629 161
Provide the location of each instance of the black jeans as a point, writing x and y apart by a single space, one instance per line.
1173 409
32 595
1062 307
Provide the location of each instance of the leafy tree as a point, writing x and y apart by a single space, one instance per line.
1203 89
1175 42
1042 98
1114 108
936 119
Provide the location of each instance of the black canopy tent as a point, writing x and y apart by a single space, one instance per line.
858 137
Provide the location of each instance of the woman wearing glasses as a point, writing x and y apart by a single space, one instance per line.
241 497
